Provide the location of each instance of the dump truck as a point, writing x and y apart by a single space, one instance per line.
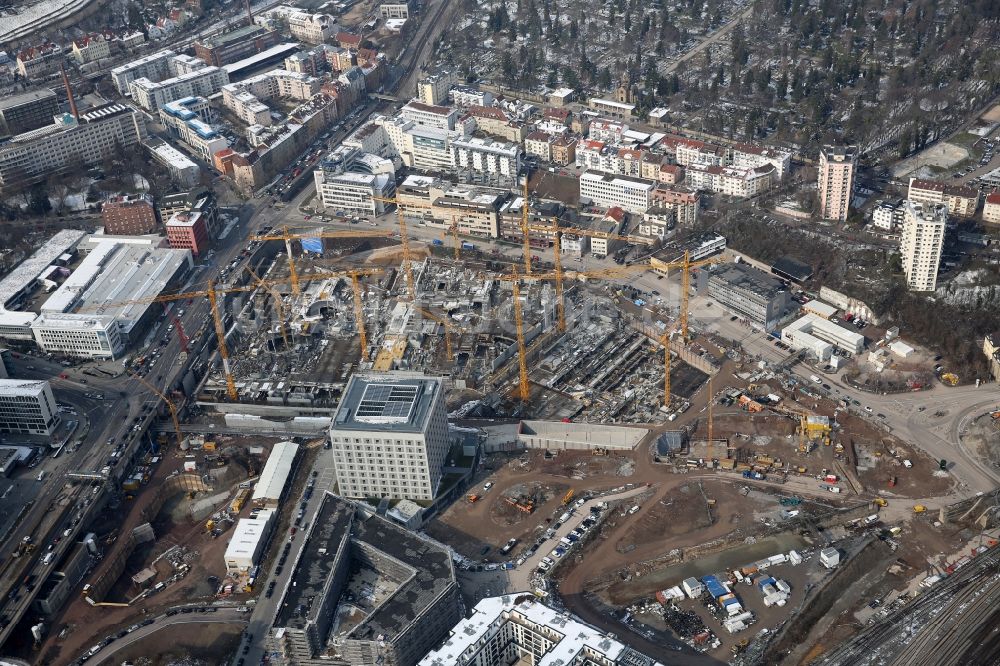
472 499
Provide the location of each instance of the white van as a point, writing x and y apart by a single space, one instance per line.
815 379
633 509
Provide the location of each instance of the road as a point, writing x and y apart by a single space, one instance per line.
723 30
221 616
252 648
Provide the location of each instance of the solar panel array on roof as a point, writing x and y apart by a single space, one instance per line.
387 401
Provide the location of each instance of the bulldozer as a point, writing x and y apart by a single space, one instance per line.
919 508
880 501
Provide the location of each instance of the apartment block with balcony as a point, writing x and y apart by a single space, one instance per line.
961 201
922 242
837 165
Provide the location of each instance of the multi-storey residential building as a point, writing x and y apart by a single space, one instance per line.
692 151
204 82
730 180
657 222
564 150
246 98
595 155
888 215
421 604
991 209
394 10
129 215
492 120
303 26
466 96
236 44
921 243
518 628
27 407
751 156
183 171
750 293
422 148
433 89
632 194
836 181
79 335
485 156
670 174
612 223
91 48
39 61
607 131
348 180
991 348
99 131
472 211
390 436
682 202
186 119
430 115
155 67
539 144
27 111
961 201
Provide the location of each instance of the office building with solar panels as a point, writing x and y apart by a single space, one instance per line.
390 436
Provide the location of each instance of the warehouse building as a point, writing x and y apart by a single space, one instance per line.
417 601
274 477
751 294
390 436
27 407
246 548
819 336
518 628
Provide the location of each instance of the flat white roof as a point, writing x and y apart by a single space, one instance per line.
819 307
20 387
275 473
490 614
811 324
597 101
247 535
28 270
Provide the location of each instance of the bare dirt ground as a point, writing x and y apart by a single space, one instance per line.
683 510
983 438
492 520
942 155
205 644
993 115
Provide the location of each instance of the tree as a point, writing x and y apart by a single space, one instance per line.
39 203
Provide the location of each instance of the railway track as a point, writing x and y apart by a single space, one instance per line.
904 636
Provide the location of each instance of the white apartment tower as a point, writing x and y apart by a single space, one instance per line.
836 181
390 436
921 243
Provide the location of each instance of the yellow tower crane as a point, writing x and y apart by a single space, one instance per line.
522 353
686 265
711 399
525 228
557 232
168 402
212 294
448 328
279 305
287 237
404 238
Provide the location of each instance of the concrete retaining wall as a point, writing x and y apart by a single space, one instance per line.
558 436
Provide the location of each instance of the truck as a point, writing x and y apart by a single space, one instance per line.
468 246
47 560
41 475
437 241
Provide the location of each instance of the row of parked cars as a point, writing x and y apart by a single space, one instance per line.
566 542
